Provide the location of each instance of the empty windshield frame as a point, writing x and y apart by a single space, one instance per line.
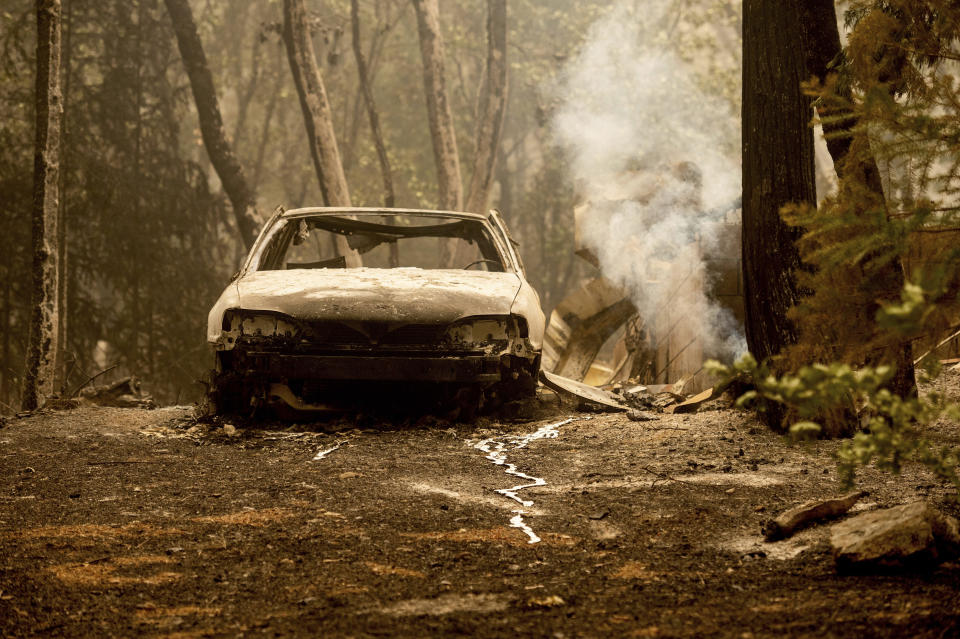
341 221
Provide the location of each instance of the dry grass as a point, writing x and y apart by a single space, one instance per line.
248 517
393 571
177 611
93 531
105 573
636 570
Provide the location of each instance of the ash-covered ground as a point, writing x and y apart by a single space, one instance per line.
121 522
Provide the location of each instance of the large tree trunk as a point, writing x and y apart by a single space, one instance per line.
778 168
445 154
316 115
221 155
44 316
493 107
385 170
823 49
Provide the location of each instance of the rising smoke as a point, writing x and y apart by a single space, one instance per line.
656 160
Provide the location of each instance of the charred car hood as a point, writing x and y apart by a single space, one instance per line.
386 295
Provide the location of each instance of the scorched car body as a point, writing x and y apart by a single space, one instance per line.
369 294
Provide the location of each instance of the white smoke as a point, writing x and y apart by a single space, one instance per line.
656 159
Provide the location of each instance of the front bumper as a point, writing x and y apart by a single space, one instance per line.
461 369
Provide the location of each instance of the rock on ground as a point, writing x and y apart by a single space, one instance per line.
912 535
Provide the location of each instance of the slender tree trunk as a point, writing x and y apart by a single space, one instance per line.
505 178
63 277
385 170
445 154
44 316
245 96
267 120
5 366
221 155
264 138
823 50
778 168
317 116
359 104
138 267
493 107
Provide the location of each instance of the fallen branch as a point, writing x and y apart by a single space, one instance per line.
790 521
80 387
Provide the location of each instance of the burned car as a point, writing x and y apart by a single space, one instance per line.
330 296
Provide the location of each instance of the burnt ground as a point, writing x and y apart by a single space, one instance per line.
120 522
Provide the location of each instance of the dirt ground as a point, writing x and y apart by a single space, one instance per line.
121 522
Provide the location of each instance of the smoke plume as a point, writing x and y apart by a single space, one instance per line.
656 160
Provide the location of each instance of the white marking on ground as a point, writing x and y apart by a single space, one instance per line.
517 522
496 451
323 453
464 496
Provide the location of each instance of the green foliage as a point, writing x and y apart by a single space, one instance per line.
881 253
882 249
892 426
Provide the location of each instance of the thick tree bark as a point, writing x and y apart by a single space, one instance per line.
823 51
316 115
778 168
44 316
445 154
385 171
215 141
493 107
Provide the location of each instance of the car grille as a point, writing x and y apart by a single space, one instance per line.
337 333
374 334
415 334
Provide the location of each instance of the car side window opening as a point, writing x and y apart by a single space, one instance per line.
310 243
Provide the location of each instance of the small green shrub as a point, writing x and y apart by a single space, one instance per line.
891 427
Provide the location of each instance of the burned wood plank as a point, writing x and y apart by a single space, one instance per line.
589 394
790 521
580 325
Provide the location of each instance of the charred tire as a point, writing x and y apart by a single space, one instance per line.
226 390
519 379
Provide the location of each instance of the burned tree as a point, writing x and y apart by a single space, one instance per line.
44 316
445 154
367 91
211 123
493 107
778 168
493 100
876 281
313 102
316 115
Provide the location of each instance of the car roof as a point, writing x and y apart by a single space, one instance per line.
362 210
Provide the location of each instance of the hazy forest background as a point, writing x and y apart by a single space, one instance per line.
150 234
